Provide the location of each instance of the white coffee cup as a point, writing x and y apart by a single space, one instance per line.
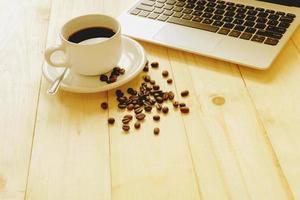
90 57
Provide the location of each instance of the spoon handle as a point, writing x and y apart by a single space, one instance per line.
56 83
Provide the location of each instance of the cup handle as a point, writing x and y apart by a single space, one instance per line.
49 53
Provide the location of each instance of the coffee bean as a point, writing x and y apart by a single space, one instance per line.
126 127
171 95
184 109
154 64
136 106
158 107
165 73
116 69
104 105
184 93
147 78
147 63
138 110
128 117
115 73
113 78
146 69
156 131
148 108
170 81
140 116
137 125
182 105
159 100
152 82
165 109
111 120
122 105
119 93
156 117
175 104
130 107
125 120
155 87
165 96
103 78
122 99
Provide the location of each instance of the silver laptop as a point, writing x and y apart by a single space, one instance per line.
248 32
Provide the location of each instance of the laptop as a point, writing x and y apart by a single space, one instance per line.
248 32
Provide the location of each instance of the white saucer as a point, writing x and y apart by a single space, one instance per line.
133 60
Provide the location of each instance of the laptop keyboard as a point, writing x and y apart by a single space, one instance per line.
222 17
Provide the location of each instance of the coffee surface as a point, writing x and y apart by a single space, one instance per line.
90 33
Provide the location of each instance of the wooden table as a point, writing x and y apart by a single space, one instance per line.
60 147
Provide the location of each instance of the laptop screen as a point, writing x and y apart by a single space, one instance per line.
295 3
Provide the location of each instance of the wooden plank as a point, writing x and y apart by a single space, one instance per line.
70 158
245 161
275 93
23 35
145 166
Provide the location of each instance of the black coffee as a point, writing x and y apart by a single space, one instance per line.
89 33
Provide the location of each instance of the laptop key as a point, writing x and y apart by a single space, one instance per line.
178 14
252 12
171 2
290 15
261 20
238 21
269 34
260 26
218 23
240 16
208 21
209 10
180 4
135 12
162 18
177 9
250 30
162 1
158 10
153 16
273 17
217 17
159 5
258 38
234 33
219 12
246 36
276 29
207 15
224 31
168 7
283 25
187 17
168 12
287 20
197 19
228 25
192 24
144 14
273 22
145 8
227 19
197 13
239 28
249 23
251 18
229 14
190 6
148 3
271 41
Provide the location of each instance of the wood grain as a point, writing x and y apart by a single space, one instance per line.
23 33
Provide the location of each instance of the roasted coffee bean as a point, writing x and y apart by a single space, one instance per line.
184 109
152 101
137 125
140 116
115 73
156 131
122 71
138 110
152 82
126 127
171 95
136 106
165 73
149 88
122 99
184 93
111 120
165 96
122 105
156 117
165 109
158 107
182 105
159 100
147 78
175 104
148 108
104 105
155 87
170 81
116 69
128 117
146 69
125 120
154 64
113 78
103 78
130 107
119 93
